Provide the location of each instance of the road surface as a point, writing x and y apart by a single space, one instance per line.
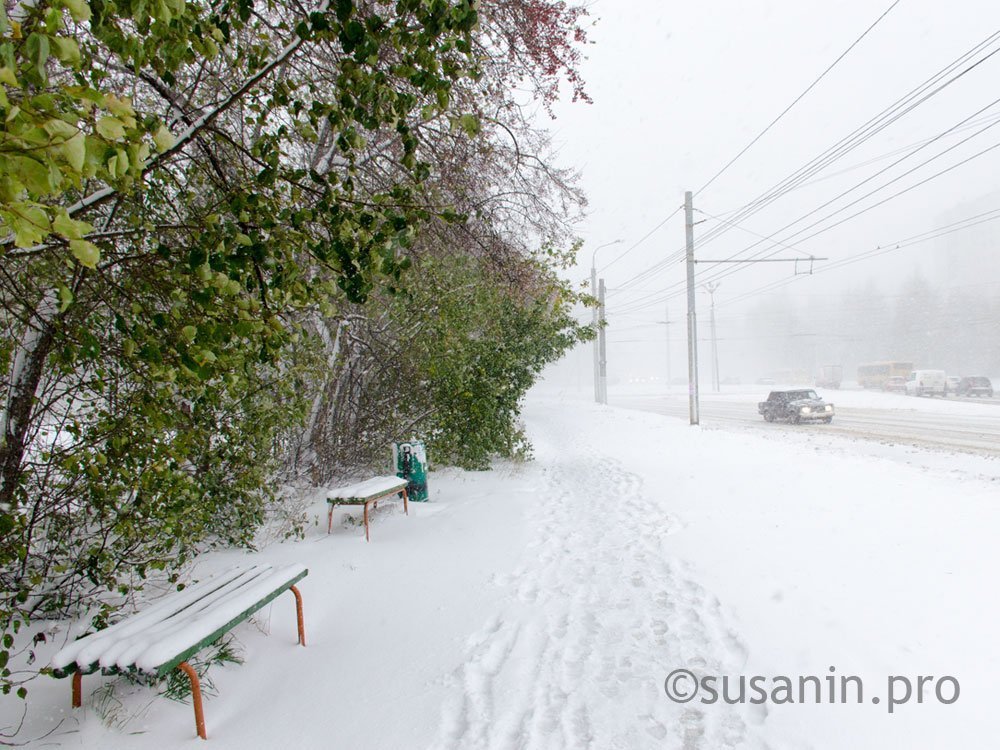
977 432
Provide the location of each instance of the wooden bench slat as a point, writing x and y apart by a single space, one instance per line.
123 655
366 490
123 649
169 605
157 639
239 608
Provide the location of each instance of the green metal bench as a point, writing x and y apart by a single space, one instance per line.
366 493
163 636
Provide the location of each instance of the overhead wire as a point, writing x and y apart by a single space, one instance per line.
889 115
669 292
760 135
958 226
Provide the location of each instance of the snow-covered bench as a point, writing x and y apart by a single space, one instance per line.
366 493
161 637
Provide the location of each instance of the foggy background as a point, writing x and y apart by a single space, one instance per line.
904 204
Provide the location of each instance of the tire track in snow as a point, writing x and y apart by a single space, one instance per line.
598 615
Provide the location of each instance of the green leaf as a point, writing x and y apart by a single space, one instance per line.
60 128
70 228
189 332
87 253
32 173
470 124
65 298
79 9
7 76
75 151
111 128
30 225
37 48
163 139
67 51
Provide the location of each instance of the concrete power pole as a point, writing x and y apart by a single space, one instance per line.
598 356
710 287
602 397
692 331
597 339
666 323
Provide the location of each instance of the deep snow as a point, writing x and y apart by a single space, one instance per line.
542 605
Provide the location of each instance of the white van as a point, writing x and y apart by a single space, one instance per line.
926 383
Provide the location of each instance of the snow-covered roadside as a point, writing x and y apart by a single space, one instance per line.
542 605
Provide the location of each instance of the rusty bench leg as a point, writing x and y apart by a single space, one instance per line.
77 689
329 519
406 507
298 614
199 713
366 523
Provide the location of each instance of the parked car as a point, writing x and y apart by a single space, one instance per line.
926 383
975 386
896 383
795 407
951 384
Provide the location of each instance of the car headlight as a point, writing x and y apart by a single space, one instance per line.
806 410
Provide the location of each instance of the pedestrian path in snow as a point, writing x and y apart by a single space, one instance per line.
598 614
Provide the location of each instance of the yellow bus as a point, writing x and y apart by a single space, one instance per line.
874 374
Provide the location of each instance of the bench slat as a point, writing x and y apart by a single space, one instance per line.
124 653
208 630
159 638
366 490
166 607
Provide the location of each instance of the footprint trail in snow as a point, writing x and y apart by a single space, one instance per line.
598 615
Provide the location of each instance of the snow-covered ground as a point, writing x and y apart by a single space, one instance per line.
543 605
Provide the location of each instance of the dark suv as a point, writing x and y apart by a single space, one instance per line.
976 386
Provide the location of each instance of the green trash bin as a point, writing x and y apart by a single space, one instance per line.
409 460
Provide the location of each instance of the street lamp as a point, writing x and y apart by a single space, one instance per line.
599 363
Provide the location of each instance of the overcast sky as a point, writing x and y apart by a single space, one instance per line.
680 88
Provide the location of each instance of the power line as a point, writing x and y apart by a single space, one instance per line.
916 239
902 106
644 238
797 99
669 294
760 135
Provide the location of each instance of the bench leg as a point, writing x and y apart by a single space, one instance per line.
329 519
77 689
406 507
199 714
366 523
298 614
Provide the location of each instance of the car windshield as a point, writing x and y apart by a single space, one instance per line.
799 395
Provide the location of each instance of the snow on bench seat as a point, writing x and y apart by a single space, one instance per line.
366 493
157 639
163 636
376 487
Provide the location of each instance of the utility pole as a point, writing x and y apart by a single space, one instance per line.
710 287
603 347
597 338
597 318
666 322
692 331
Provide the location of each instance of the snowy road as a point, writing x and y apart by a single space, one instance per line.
976 430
